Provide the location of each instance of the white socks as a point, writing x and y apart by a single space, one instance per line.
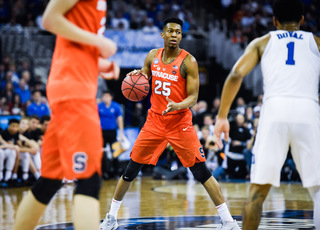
14 176
25 176
7 175
115 206
224 212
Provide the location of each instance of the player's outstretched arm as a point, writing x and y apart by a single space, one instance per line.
55 22
243 66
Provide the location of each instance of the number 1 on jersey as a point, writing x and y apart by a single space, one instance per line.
290 60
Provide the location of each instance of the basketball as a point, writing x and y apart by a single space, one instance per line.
135 87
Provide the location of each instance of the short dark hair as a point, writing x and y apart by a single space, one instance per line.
34 117
172 20
288 10
108 91
45 118
13 120
36 91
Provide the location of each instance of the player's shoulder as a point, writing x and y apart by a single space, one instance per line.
153 52
261 41
190 58
259 44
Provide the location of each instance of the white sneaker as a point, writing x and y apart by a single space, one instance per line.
228 225
109 223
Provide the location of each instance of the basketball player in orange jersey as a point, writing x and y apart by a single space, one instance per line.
72 146
175 87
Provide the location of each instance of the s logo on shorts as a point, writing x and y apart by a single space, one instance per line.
79 162
201 151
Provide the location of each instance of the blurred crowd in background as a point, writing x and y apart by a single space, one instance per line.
23 93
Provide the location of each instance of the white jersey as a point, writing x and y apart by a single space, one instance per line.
291 65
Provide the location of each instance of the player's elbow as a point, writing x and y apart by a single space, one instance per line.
47 23
194 100
235 75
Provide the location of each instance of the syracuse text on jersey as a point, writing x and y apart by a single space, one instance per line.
157 73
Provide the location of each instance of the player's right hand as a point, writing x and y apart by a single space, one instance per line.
221 126
107 47
137 72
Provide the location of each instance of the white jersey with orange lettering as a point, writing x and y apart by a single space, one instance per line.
290 114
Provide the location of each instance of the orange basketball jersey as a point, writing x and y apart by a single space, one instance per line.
74 68
167 82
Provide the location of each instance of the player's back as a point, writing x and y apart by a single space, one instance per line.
291 65
74 69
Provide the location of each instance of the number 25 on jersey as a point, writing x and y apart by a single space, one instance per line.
162 88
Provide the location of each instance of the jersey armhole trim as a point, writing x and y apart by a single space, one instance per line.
268 46
313 46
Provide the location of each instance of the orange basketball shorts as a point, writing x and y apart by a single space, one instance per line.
177 129
72 145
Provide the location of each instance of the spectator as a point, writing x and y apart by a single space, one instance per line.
169 166
8 92
150 27
239 136
37 107
119 22
111 119
241 106
3 155
34 133
15 106
44 124
247 152
27 147
11 156
14 75
209 122
23 91
215 107
202 108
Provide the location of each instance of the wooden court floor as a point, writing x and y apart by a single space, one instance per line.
176 204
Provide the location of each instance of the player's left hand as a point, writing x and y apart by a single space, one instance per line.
113 72
171 106
221 126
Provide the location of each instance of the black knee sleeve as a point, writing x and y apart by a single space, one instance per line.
44 189
201 172
89 187
131 171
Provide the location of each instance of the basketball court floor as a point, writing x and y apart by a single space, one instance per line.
168 205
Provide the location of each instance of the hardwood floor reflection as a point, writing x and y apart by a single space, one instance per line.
148 198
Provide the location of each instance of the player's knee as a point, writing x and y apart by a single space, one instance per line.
200 172
89 187
44 189
131 171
